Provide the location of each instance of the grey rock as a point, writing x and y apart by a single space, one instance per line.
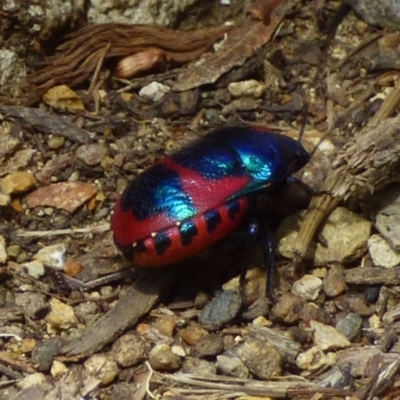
383 13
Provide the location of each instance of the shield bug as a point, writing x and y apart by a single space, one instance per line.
190 200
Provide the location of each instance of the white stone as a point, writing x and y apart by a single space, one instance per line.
34 268
58 369
308 287
61 316
315 359
345 236
3 253
154 91
250 88
382 254
328 338
52 256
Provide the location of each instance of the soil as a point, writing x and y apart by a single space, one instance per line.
77 321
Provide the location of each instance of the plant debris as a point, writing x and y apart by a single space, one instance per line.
77 321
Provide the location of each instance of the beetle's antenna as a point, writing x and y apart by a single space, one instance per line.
324 136
303 128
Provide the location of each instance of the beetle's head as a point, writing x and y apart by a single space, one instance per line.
294 156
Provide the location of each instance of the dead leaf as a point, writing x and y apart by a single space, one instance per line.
64 195
240 45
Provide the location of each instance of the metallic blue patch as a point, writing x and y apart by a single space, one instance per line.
266 155
158 191
211 159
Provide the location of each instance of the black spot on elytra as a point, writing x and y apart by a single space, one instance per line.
233 208
140 246
188 231
161 243
213 219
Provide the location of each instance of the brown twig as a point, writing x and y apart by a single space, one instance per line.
367 163
388 106
136 302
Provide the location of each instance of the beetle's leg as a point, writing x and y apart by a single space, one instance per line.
269 261
251 244
254 233
307 189
303 186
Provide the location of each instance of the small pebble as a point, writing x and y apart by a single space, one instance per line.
199 367
3 252
356 303
250 88
178 350
311 311
372 294
221 310
288 308
44 353
12 251
35 379
33 305
52 256
58 369
5 199
334 281
28 344
315 359
261 358
92 154
55 142
193 333
61 315
345 236
34 268
210 346
308 287
350 326
102 367
128 350
328 338
165 325
154 91
163 359
232 366
17 182
382 254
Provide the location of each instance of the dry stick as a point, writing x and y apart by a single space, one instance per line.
387 107
349 56
273 388
367 163
55 232
137 301
322 205
98 69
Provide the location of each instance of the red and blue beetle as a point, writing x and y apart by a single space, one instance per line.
190 200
